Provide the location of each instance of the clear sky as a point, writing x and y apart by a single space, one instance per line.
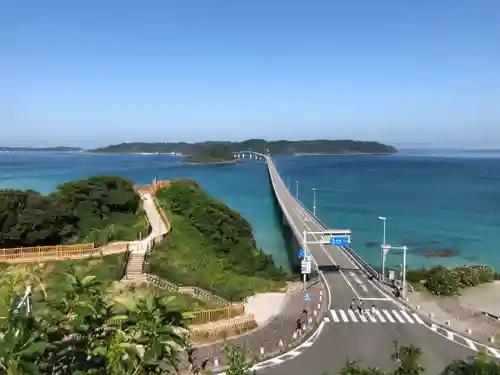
94 72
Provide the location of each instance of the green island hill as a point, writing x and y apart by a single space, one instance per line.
212 154
97 209
282 147
211 246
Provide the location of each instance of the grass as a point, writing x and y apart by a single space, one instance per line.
47 279
187 258
182 302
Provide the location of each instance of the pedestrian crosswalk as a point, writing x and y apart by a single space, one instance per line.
375 316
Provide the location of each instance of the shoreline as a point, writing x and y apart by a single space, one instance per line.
212 162
348 154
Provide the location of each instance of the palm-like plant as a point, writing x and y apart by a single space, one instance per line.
21 346
151 325
407 360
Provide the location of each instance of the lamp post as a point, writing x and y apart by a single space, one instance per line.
404 248
297 190
314 201
383 253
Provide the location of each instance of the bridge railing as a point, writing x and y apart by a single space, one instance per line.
362 263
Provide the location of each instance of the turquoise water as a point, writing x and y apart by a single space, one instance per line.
432 200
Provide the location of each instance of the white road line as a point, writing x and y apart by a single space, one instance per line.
293 353
408 317
389 316
470 343
434 327
417 318
334 316
380 317
343 316
373 320
362 317
494 352
398 317
375 299
352 315
449 335
277 361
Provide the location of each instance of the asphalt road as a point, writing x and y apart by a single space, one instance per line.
369 339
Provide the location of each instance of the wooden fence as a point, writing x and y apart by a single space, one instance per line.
206 316
41 253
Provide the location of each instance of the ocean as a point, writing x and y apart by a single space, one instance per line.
433 200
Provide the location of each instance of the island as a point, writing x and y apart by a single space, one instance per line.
309 147
217 153
41 149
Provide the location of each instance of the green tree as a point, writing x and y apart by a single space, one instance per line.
238 364
407 360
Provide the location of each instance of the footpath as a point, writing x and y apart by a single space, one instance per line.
474 314
277 322
275 336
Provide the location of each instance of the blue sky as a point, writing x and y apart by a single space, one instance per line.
93 72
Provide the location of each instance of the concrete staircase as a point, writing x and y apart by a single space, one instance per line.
134 267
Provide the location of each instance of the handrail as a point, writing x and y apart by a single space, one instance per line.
364 265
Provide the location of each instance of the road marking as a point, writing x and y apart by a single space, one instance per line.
362 317
470 343
277 361
364 288
494 352
372 319
343 316
327 319
294 353
352 315
380 317
388 315
408 318
335 316
434 327
449 335
398 317
417 318
375 299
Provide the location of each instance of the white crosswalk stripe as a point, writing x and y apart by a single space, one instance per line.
375 316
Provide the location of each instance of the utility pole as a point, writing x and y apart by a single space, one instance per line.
384 249
297 190
314 201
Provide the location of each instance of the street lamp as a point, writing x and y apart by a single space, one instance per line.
386 248
297 190
314 201
383 254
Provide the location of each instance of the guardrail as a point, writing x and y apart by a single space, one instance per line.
364 265
39 253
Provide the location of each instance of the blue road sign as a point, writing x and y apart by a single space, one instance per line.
308 298
300 254
339 241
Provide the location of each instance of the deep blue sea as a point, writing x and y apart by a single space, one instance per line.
433 200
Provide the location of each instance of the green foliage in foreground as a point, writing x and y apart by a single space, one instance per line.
77 336
448 281
98 209
211 246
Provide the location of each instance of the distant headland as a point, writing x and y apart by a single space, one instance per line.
221 152
45 149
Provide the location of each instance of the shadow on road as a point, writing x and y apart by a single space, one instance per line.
334 268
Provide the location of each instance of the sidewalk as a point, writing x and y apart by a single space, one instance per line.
264 342
464 314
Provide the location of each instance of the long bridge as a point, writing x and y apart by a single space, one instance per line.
367 336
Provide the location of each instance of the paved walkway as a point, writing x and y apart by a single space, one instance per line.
464 314
267 337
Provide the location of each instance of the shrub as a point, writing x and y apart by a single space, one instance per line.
442 282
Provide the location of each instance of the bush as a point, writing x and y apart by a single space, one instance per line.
442 282
448 281
211 246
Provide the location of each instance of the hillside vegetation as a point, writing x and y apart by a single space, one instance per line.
211 246
318 146
217 153
98 209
